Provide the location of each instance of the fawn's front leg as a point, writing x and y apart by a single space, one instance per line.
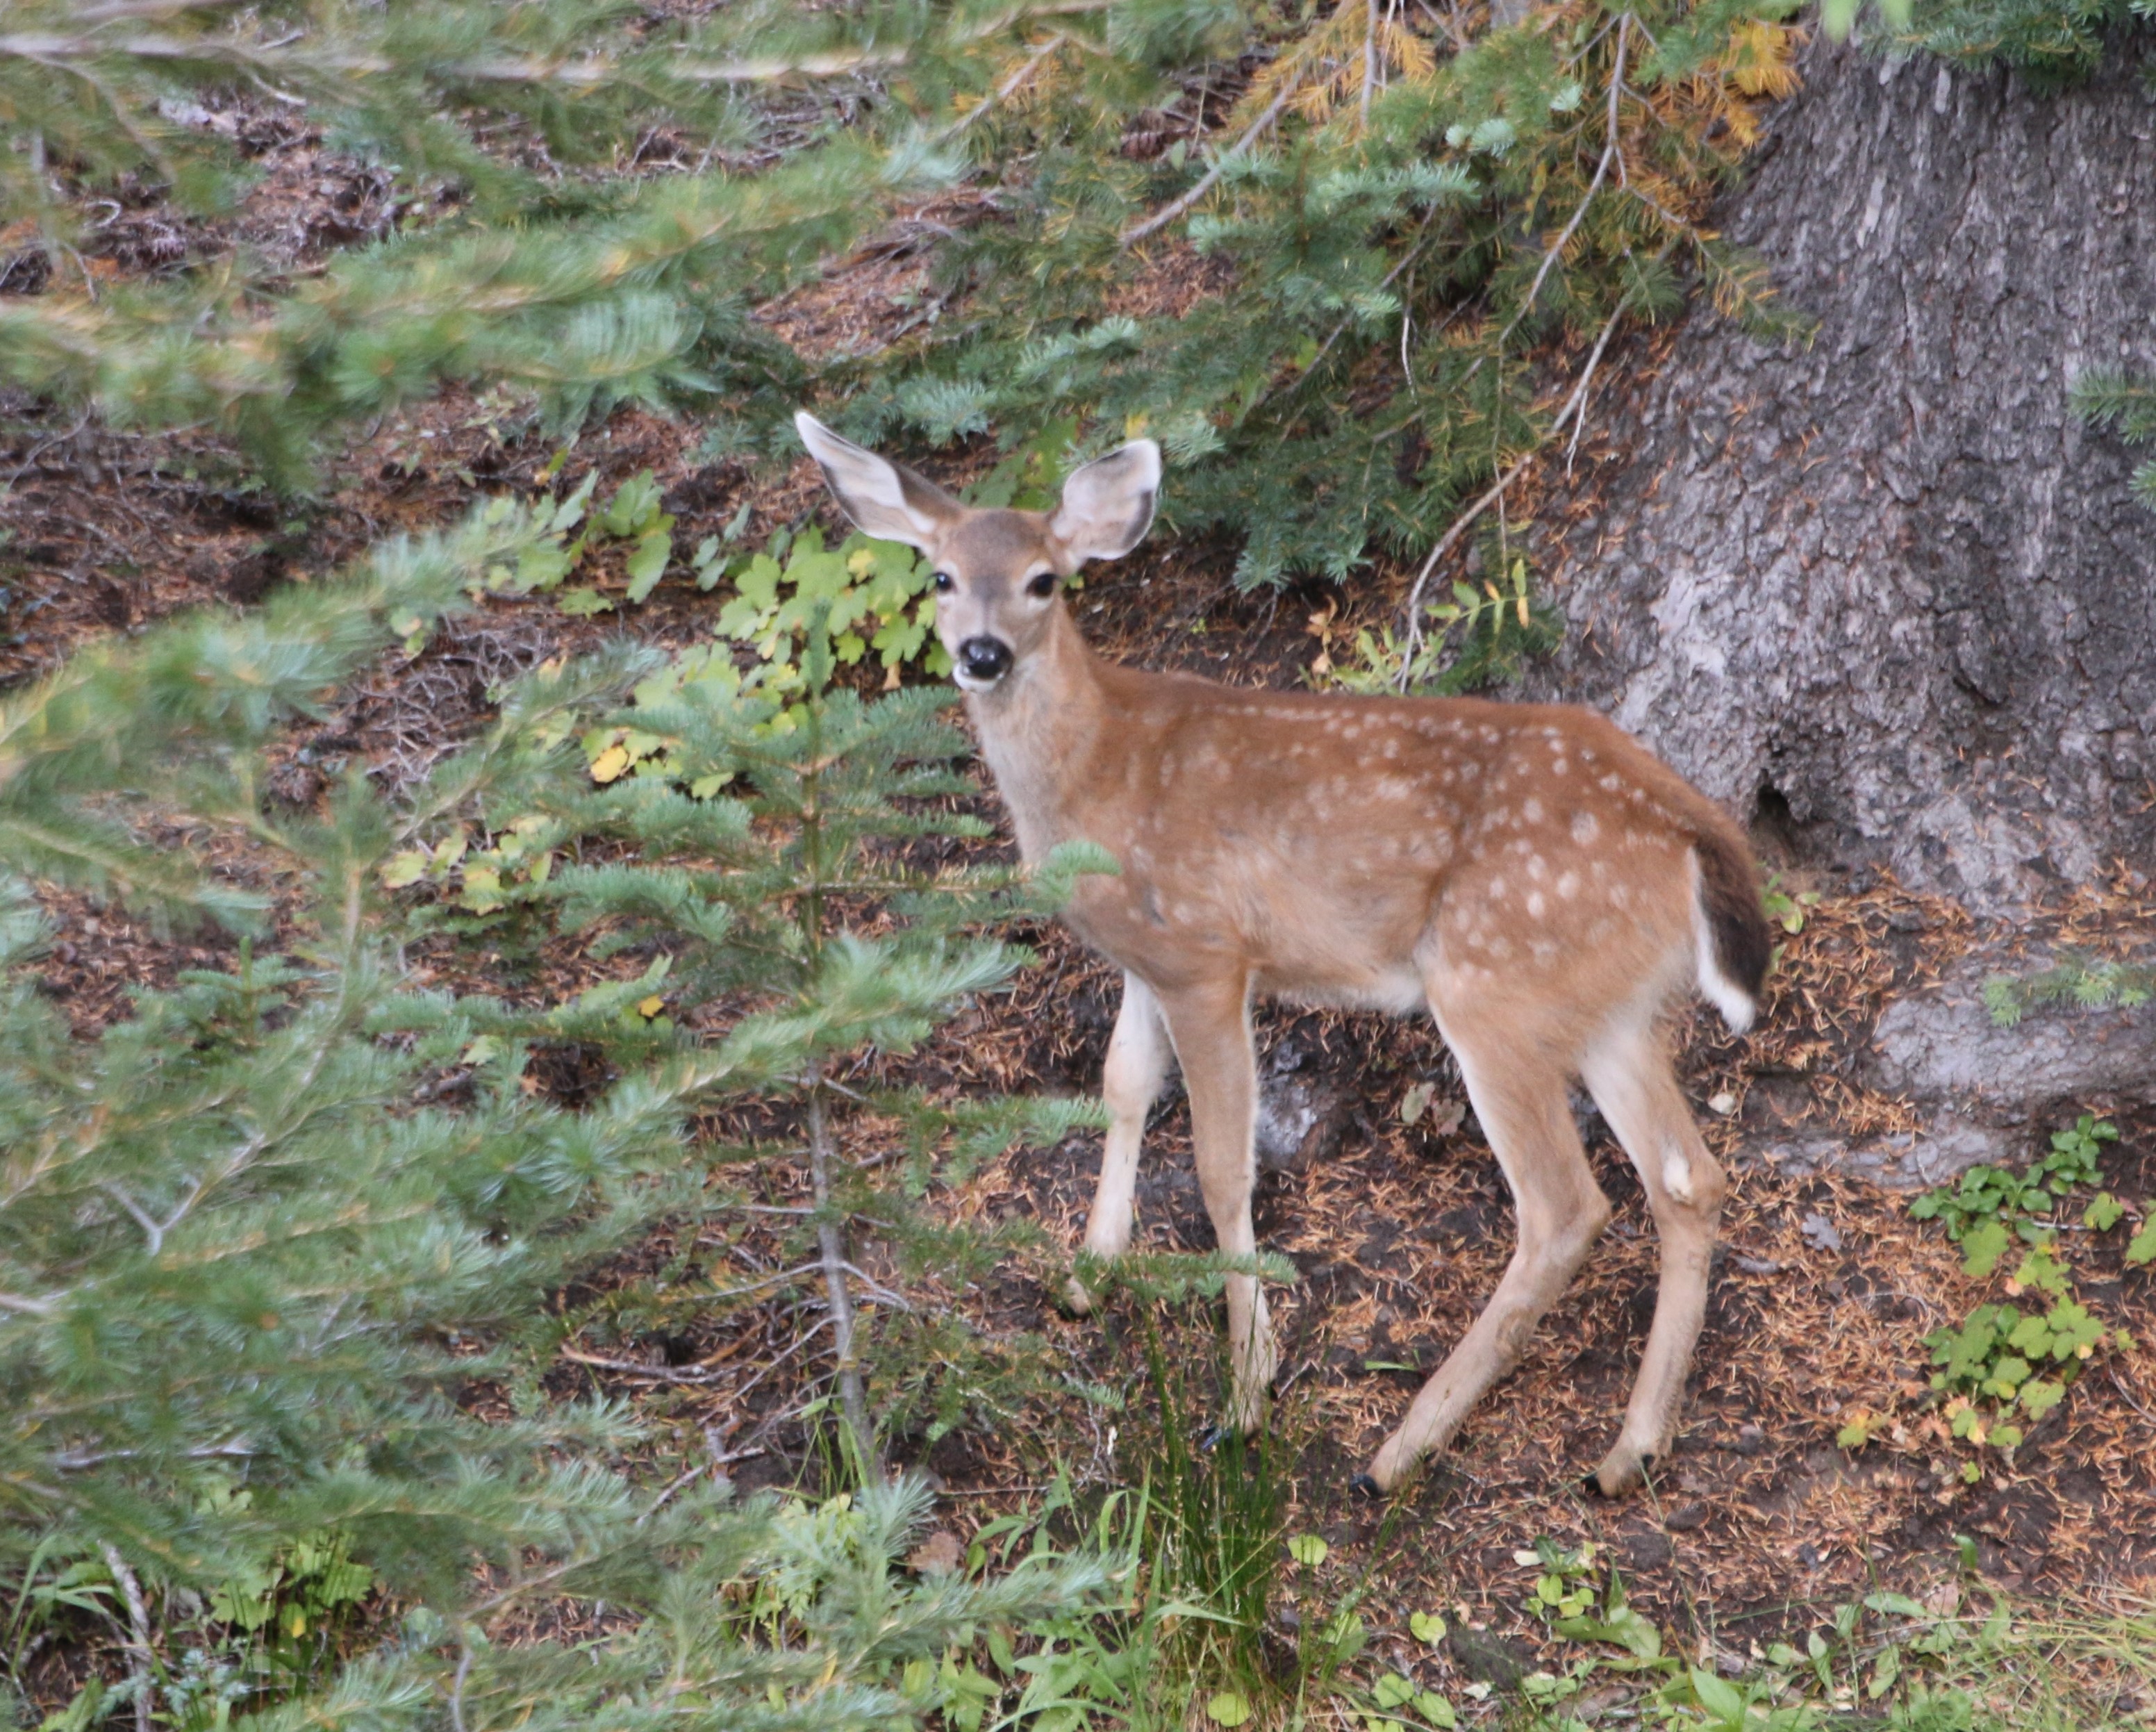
1211 1028
1137 1065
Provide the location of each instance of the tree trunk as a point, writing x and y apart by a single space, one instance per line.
1888 590
1886 594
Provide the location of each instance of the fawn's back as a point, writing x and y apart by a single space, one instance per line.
1340 848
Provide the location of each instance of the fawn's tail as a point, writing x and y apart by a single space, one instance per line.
1735 943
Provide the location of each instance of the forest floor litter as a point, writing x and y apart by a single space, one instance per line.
1824 1286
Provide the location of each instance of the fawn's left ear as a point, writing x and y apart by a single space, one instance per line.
1108 504
883 498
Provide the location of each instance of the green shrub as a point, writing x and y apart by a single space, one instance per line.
281 1251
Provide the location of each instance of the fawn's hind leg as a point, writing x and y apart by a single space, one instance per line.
1628 1072
1137 1067
1522 1098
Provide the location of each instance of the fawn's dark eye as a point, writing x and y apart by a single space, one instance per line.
943 582
1042 585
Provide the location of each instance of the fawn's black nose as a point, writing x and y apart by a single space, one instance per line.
985 658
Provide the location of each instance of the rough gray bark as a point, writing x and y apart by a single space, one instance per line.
1890 580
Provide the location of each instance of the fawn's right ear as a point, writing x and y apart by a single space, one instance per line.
883 498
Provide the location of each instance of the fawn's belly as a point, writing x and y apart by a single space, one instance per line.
1334 933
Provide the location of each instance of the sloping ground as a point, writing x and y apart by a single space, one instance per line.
1823 1294
1826 1288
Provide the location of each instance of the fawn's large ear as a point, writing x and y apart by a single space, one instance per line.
883 498
1107 504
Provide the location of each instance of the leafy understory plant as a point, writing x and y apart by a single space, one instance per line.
1989 1206
633 519
862 596
1479 636
1939 1659
871 595
2008 1364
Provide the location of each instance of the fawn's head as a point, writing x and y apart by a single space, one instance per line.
997 572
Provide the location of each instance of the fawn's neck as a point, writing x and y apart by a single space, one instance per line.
1042 732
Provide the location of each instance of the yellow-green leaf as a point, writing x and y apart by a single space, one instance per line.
407 867
1228 1709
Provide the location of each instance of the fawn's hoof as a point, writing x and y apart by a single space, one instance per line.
1623 1471
1363 1485
1217 1435
1077 1298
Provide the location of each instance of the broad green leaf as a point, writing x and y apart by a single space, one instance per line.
1394 1689
583 602
541 565
1983 1246
1718 1697
635 508
648 564
2039 1397
482 890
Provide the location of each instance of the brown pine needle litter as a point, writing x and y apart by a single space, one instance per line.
1758 1520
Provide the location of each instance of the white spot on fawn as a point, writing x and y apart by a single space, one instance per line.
1583 827
1676 1173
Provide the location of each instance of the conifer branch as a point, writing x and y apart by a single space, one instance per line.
830 1239
138 1628
1168 213
1004 91
1575 405
1610 153
1369 63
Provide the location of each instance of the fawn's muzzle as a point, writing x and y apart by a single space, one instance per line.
983 660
